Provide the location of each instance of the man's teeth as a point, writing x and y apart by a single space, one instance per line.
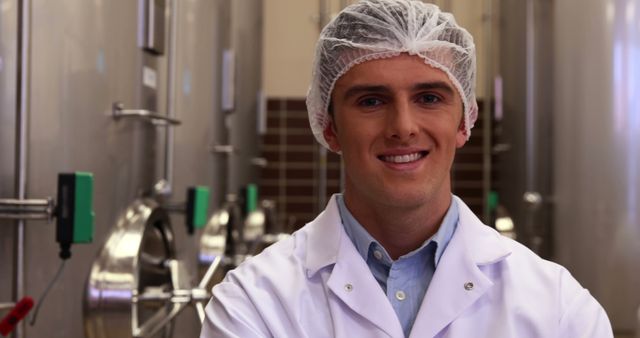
402 158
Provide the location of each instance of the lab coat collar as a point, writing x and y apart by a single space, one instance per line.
459 281
323 240
483 245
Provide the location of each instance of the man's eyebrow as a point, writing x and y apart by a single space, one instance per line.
359 89
435 85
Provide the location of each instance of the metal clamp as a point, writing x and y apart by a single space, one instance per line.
224 149
118 111
259 162
27 208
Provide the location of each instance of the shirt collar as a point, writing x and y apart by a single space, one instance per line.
323 237
363 241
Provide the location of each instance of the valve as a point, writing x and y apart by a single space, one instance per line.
195 208
75 215
75 223
19 311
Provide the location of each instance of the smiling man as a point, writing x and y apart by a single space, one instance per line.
397 255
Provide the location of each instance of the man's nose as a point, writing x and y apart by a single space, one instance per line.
401 124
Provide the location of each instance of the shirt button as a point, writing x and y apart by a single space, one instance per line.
400 295
377 254
348 287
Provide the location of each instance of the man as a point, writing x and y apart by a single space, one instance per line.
396 255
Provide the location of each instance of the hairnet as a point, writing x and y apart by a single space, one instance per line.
375 29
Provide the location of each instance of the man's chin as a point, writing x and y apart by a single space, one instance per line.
406 200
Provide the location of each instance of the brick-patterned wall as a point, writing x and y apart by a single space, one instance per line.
467 171
291 177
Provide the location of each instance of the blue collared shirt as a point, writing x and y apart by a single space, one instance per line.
404 281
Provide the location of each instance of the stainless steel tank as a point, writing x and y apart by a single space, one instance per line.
249 106
596 153
8 72
571 73
82 61
85 56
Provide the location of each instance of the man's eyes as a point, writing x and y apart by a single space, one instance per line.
429 98
370 102
424 99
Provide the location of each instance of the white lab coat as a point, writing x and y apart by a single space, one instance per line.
316 284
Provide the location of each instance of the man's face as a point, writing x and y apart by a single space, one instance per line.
397 122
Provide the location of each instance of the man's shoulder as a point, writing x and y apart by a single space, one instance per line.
536 275
281 259
531 269
525 257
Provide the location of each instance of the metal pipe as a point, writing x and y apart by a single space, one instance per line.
7 306
119 111
487 111
22 112
323 18
171 88
204 283
13 215
530 95
531 193
24 203
26 209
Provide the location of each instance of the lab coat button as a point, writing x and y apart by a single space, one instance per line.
400 295
348 287
377 254
468 286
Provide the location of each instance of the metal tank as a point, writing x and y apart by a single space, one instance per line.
85 56
571 179
597 152
80 63
248 111
8 75
202 32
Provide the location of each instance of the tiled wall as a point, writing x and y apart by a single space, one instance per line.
292 175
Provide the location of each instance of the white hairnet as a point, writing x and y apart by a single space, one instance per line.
375 29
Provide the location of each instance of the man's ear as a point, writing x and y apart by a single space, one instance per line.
330 135
461 135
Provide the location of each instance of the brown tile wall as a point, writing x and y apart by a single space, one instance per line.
291 177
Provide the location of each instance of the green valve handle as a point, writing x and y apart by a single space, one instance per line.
493 200
197 207
75 215
251 198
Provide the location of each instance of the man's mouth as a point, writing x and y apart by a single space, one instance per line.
405 158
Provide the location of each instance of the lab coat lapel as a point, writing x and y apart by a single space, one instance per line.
350 280
458 281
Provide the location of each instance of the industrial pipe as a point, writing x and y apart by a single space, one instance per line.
22 112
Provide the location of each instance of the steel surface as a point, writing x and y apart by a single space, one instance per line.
132 261
596 150
572 120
